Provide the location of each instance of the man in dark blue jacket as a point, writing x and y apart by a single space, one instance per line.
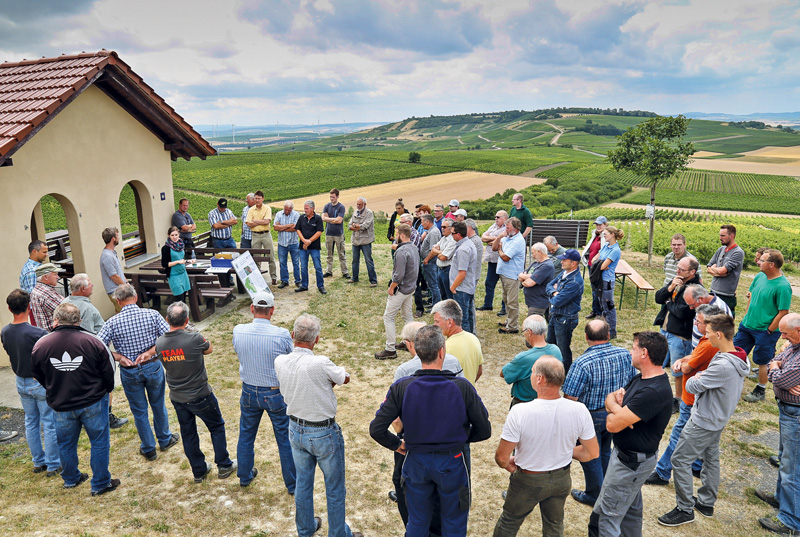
440 413
565 293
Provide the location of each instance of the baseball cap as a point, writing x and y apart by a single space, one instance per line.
601 220
570 254
223 203
45 268
461 212
264 299
453 202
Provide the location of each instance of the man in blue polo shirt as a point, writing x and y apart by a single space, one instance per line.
510 247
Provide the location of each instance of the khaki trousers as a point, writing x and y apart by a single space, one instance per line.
511 297
264 241
338 243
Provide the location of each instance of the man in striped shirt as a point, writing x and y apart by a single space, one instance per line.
257 344
247 235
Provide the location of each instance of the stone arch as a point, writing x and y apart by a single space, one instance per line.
141 214
72 241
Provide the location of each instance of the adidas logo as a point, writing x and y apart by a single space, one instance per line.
67 363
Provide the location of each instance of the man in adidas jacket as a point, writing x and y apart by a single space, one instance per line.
77 372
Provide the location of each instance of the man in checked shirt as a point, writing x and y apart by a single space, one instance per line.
784 373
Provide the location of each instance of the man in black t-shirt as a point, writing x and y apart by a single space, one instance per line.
638 415
181 352
309 228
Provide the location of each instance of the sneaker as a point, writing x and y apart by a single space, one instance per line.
756 396
374 284
351 280
776 526
767 497
203 477
581 497
676 517
81 479
53 473
283 284
225 473
346 276
172 441
111 486
255 473
385 355
401 346
753 376
501 313
7 435
775 461
676 405
327 275
655 479
393 496
149 455
705 510
39 469
115 422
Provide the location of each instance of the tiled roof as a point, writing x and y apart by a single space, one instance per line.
33 91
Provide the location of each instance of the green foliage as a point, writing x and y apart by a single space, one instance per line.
719 201
598 130
414 157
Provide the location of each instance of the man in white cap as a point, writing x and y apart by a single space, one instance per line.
460 215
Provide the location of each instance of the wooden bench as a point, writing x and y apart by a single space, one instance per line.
625 271
58 245
149 288
207 291
568 233
202 240
135 247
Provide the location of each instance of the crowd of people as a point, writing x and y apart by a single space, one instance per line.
607 408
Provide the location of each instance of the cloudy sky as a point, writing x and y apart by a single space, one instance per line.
298 61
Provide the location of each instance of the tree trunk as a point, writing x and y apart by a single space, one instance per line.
652 222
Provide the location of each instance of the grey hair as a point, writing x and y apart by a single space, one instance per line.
67 313
405 217
539 247
290 203
449 221
448 309
551 369
362 198
428 218
310 203
177 314
793 321
697 291
428 343
708 310
250 195
550 240
124 292
439 205
410 330
79 282
536 324
471 223
503 213
307 328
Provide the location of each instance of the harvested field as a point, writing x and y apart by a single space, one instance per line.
429 189
742 166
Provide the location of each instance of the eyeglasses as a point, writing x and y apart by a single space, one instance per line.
496 217
446 227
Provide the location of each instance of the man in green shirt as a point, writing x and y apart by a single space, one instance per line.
770 299
517 372
523 213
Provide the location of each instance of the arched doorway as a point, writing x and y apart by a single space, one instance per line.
135 217
54 220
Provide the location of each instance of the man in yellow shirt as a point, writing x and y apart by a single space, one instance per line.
259 218
463 345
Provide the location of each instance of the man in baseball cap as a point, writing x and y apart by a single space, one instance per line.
460 215
565 293
451 214
44 297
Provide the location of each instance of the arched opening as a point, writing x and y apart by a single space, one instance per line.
54 220
135 208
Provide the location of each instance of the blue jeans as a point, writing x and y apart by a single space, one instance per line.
93 418
444 283
664 466
207 409
246 243
788 492
439 473
143 384
223 243
38 416
324 446
365 249
315 258
467 303
431 273
253 402
559 333
607 308
283 259
760 342
489 284
595 469
678 348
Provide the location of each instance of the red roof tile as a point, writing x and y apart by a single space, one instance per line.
33 91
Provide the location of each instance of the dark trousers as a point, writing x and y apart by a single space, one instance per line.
526 491
402 506
489 284
207 409
559 333
730 301
444 283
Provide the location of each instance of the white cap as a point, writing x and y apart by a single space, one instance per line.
453 202
264 299
461 212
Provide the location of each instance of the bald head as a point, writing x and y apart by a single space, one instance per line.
597 331
790 328
551 370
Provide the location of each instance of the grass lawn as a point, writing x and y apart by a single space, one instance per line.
160 497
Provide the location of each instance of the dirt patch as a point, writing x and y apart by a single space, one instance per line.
702 154
429 189
792 152
741 166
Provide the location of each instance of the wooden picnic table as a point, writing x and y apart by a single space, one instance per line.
625 271
199 268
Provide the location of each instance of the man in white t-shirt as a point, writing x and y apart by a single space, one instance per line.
544 433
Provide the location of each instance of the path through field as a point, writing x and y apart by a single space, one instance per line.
430 189
691 210
560 130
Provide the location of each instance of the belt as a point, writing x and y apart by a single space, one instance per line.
259 232
151 360
788 404
598 410
524 471
305 423
633 456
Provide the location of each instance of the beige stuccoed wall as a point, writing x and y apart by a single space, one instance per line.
84 157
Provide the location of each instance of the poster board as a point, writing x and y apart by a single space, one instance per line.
250 275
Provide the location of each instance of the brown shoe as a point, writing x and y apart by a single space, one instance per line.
385 355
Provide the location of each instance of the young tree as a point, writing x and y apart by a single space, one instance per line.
654 149
414 157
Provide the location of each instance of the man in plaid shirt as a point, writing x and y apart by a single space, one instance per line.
134 332
602 369
784 373
44 297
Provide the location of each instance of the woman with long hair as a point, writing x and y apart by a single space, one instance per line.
173 259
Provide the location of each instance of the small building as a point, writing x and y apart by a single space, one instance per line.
80 128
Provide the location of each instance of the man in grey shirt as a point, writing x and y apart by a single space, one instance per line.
182 220
463 279
80 288
401 290
432 237
726 266
110 265
553 251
